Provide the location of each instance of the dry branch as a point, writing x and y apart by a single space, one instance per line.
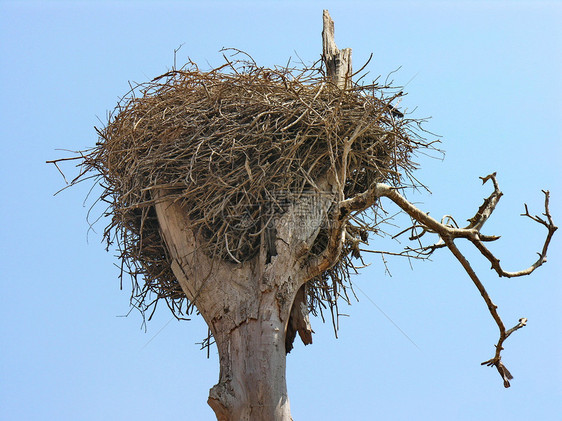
542 254
448 233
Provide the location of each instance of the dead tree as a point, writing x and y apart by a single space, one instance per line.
245 193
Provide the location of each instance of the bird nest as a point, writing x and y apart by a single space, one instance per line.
235 145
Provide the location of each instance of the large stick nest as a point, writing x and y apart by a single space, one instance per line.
233 144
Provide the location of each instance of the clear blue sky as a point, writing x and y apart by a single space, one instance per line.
489 73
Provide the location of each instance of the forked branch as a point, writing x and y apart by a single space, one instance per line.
448 231
548 223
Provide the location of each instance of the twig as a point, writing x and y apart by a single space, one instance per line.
496 360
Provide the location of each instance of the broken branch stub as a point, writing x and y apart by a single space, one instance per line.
337 62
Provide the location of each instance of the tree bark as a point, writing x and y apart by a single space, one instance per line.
249 306
252 383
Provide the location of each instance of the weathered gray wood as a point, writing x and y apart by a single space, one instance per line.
248 306
338 62
238 302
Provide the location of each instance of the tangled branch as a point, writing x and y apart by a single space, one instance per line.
449 232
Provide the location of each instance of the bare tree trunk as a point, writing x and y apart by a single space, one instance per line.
252 383
248 306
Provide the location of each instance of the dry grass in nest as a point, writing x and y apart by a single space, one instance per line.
233 144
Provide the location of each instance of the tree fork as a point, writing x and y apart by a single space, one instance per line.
247 308
254 309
